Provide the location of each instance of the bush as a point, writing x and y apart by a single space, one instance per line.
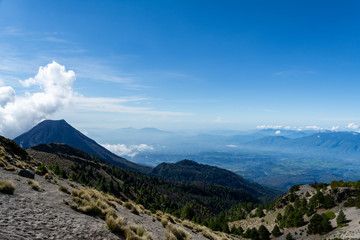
34 185
131 207
164 222
178 233
6 187
330 215
10 168
2 164
63 189
116 225
43 170
134 232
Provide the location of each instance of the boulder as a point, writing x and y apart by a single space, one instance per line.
28 173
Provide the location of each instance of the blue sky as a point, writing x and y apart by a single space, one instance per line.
182 64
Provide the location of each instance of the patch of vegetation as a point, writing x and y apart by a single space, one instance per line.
6 187
341 218
92 202
63 189
177 233
330 215
116 224
10 168
35 185
137 233
319 224
276 231
42 169
131 206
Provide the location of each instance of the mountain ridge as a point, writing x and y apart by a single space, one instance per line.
59 131
189 171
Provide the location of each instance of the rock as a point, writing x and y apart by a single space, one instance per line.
28 173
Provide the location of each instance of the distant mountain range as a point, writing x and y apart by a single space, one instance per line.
335 144
59 131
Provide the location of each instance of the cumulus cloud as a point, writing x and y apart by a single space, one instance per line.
127 150
51 90
7 95
353 126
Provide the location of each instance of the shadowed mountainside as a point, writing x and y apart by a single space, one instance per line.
191 172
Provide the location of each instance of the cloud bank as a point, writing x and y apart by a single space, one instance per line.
349 127
51 89
130 150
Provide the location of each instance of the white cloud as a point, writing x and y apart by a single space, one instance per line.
54 90
115 105
7 95
353 126
127 150
269 127
232 146
313 128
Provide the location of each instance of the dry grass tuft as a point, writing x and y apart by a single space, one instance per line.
35 185
73 185
10 168
6 187
132 207
2 163
164 222
116 224
134 232
92 202
208 234
63 189
178 233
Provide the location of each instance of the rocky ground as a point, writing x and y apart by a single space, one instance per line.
31 214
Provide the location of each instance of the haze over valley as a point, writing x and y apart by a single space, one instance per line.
179 120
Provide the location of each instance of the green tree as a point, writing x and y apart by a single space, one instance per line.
289 237
264 233
187 212
259 212
341 218
276 231
319 224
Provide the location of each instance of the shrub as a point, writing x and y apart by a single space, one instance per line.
34 185
2 164
63 189
179 233
10 168
164 222
134 232
116 225
6 187
42 169
330 215
131 207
